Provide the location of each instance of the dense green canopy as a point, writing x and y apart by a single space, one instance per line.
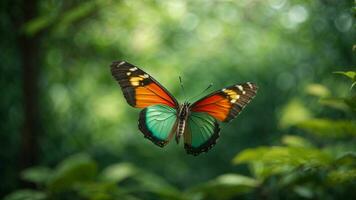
65 120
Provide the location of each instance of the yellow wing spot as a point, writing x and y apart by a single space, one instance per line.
233 95
135 81
143 76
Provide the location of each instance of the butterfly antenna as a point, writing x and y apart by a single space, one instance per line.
181 85
206 89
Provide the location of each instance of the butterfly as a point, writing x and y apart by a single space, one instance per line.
163 118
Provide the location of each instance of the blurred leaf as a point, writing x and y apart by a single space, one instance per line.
295 141
26 195
227 186
293 113
317 90
304 192
267 161
97 190
336 103
347 159
349 74
342 176
76 168
80 11
351 102
157 185
118 172
38 175
329 128
38 24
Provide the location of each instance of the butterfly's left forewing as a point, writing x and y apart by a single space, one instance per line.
139 88
158 118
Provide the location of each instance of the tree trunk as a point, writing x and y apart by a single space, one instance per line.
30 64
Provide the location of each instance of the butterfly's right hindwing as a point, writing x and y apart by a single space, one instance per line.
201 133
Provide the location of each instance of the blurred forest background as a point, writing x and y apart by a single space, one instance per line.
68 133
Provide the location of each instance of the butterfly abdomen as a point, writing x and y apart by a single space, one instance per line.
182 118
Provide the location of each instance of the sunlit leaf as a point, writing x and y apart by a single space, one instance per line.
118 172
152 183
227 186
351 102
98 190
76 168
347 159
295 141
26 194
293 113
317 90
336 103
304 192
341 176
266 161
38 175
329 128
349 74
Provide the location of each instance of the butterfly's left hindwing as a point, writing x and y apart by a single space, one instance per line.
139 88
158 123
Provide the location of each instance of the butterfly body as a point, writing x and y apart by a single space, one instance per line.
163 118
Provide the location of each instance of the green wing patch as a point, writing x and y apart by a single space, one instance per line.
158 123
201 133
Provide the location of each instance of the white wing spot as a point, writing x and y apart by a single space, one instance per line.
240 88
133 69
233 100
146 75
121 63
223 89
128 73
250 85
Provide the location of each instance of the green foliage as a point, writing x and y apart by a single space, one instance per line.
288 47
302 168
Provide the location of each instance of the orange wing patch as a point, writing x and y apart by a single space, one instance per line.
227 103
217 106
140 89
151 94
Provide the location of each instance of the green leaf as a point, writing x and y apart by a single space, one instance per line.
351 102
152 183
349 74
227 186
267 161
75 169
341 176
26 194
329 128
347 159
295 141
38 175
317 90
118 172
336 103
293 113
